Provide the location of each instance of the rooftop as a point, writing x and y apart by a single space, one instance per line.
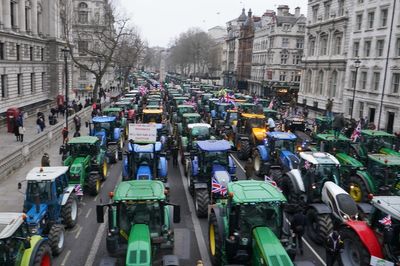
247 191
139 190
104 119
46 173
214 145
9 223
83 140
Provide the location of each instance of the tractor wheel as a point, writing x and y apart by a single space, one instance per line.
289 191
215 240
113 152
69 211
190 183
257 164
354 252
275 174
104 170
93 184
42 257
320 226
244 151
357 189
201 200
56 239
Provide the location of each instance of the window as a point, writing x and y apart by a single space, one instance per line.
297 78
302 28
13 6
333 84
82 74
296 59
3 86
361 110
397 47
367 48
356 47
18 47
359 21
43 80
19 84
315 14
285 42
384 17
82 47
299 43
83 5
379 47
353 80
282 76
360 1
284 58
286 27
83 17
375 80
31 53
271 42
41 54
363 80
321 82
327 10
324 45
33 82
341 8
311 47
350 107
2 50
338 45
395 82
371 16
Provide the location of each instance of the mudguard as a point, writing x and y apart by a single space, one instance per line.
389 151
195 166
200 185
263 151
117 134
125 168
162 167
368 180
67 192
321 208
295 178
220 220
29 255
367 237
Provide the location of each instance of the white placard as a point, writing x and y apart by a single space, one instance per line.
375 261
143 133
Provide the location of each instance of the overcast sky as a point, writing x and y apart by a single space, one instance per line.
160 21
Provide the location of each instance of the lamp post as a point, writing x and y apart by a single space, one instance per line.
66 51
357 64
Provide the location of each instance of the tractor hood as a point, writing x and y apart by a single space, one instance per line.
221 175
34 216
259 133
76 166
269 247
143 173
290 160
346 159
389 151
138 252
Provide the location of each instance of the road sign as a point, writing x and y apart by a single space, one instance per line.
143 133
375 261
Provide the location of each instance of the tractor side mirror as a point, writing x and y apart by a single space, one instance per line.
27 243
177 214
19 185
100 213
87 124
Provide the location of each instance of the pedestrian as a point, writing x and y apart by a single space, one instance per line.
333 247
16 129
329 105
45 160
77 134
249 169
338 124
293 104
271 124
298 226
175 154
77 122
61 109
65 135
80 106
305 112
21 129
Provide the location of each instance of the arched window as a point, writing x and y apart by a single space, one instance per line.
320 82
311 46
82 5
324 44
83 14
333 84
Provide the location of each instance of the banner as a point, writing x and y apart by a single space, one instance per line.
143 133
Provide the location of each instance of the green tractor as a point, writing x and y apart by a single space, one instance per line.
17 246
140 221
180 110
87 163
187 118
373 141
248 227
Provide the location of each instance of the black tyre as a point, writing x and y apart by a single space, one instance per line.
201 201
244 151
257 164
69 212
56 239
357 189
319 227
104 170
289 191
214 240
190 182
42 256
354 252
93 184
113 154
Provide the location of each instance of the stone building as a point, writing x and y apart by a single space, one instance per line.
216 66
31 60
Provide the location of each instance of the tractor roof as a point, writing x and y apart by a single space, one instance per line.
124 102
190 126
247 115
388 204
319 157
145 148
214 145
375 133
152 111
268 110
389 160
139 190
184 106
46 173
181 97
191 115
331 137
246 104
223 104
83 140
104 119
153 107
112 109
9 223
282 135
295 118
246 191
323 118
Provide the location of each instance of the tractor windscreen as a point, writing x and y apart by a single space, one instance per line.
326 172
200 133
99 126
259 214
217 157
38 191
233 116
83 149
140 212
256 123
282 144
152 118
347 205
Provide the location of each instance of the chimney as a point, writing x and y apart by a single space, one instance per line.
249 13
283 10
297 12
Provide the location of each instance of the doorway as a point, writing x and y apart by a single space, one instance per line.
371 115
390 122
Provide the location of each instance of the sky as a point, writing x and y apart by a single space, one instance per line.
160 21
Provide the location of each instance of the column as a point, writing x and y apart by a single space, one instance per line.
6 14
21 16
1 14
34 17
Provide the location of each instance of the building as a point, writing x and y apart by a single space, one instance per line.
215 68
31 60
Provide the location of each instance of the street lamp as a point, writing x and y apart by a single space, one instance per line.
357 64
66 52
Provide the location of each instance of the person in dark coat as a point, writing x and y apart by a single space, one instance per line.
175 150
21 129
77 122
333 245
16 129
298 226
65 135
338 124
77 134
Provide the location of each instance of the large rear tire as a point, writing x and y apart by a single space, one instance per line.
56 239
69 212
201 201
354 252
214 240
190 182
289 191
244 151
93 184
320 226
257 165
42 257
357 189
104 170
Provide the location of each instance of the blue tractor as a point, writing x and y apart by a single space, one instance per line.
211 169
105 128
145 162
277 154
50 204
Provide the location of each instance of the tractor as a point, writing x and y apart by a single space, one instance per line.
248 227
180 110
209 172
106 127
86 162
155 116
374 141
187 118
119 113
322 124
140 222
145 162
277 153
219 112
129 108
50 204
18 247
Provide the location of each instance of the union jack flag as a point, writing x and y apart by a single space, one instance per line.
217 187
386 220
356 133
78 190
271 104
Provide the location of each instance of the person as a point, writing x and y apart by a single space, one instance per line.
249 169
333 247
16 129
45 160
298 225
77 122
21 129
65 135
77 134
329 105
293 104
271 124
175 154
338 124
305 112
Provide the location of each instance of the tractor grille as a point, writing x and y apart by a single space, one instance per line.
74 177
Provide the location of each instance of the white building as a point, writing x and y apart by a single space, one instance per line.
217 52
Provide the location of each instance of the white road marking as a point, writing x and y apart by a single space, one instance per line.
238 163
196 224
66 257
95 199
88 213
79 232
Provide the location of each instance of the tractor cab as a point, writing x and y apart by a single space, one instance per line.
247 108
103 126
199 131
386 172
220 110
294 123
190 118
270 113
378 142
322 124
152 116
118 113
328 143
182 109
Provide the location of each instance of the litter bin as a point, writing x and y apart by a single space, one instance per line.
12 114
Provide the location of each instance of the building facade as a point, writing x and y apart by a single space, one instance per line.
31 60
